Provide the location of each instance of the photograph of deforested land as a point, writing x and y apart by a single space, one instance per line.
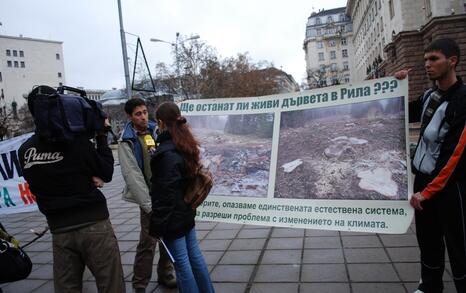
236 149
354 151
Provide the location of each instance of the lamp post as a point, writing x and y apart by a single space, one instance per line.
177 60
125 53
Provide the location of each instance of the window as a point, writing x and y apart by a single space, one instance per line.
9 63
333 67
342 17
320 45
318 21
319 31
322 67
60 84
329 19
321 57
344 53
343 41
392 8
346 79
8 52
57 56
429 9
16 64
15 53
333 55
22 64
21 53
345 65
342 28
332 43
1 79
59 74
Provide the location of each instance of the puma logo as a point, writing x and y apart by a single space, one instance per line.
32 157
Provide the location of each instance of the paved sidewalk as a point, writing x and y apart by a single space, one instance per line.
250 259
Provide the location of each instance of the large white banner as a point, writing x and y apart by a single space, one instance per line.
334 158
15 196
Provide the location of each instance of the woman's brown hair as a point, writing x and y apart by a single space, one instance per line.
181 134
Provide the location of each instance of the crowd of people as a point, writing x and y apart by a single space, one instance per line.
159 158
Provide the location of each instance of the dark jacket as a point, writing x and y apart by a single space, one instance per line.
171 217
441 137
60 176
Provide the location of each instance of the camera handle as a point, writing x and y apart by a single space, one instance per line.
61 90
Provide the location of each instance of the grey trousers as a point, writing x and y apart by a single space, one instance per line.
145 251
94 246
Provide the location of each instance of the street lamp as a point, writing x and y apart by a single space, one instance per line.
177 63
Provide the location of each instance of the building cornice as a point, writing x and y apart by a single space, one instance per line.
30 39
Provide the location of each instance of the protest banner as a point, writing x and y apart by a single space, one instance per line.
15 196
333 158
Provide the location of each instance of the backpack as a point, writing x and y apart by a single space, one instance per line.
61 117
199 187
15 265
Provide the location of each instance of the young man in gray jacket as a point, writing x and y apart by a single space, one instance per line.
136 147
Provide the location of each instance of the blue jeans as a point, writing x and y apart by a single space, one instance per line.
192 275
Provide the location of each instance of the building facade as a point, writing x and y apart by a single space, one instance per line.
377 23
27 62
328 48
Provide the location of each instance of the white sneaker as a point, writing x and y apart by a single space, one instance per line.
418 291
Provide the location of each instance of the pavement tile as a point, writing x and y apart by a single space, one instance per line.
130 236
230 287
372 273
408 272
126 246
22 286
45 288
253 233
214 244
287 232
228 226
282 257
43 272
324 288
274 288
378 287
366 255
247 244
404 254
241 257
322 242
222 234
127 258
285 243
399 240
361 241
323 256
311 232
277 273
324 273
205 225
90 287
212 257
232 273
41 257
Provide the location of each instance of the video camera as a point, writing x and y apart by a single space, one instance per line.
62 117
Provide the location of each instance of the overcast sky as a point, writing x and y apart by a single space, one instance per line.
271 30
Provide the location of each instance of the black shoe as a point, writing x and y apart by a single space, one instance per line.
139 290
167 279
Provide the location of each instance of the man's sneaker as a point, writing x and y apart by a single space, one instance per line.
167 278
418 291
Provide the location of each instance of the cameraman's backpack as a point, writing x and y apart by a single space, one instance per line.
62 117
199 187
15 265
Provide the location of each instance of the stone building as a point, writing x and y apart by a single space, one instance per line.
328 48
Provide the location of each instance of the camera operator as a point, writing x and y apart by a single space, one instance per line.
64 176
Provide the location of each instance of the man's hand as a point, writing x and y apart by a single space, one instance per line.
416 200
402 74
99 183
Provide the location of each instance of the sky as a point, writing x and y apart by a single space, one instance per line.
270 30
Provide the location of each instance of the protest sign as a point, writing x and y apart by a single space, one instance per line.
15 196
332 158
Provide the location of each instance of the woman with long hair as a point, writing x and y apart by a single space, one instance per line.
174 163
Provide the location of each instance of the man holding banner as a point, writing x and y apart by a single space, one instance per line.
439 164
